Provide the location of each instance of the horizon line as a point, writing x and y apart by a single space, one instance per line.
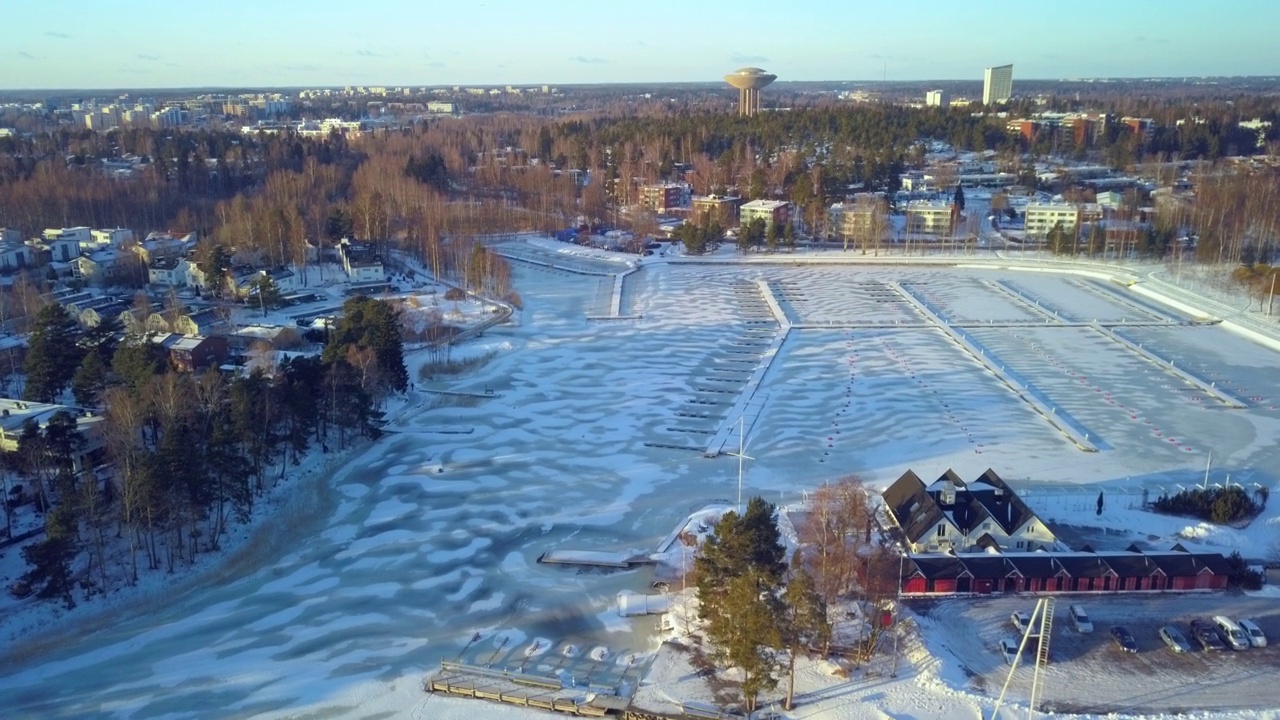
500 84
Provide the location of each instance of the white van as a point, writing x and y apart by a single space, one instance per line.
1231 632
1080 619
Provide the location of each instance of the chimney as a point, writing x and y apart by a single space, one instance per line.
947 496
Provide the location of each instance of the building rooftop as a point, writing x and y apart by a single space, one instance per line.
15 413
765 204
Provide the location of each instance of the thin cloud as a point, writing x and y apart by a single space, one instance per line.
142 56
435 64
589 60
26 55
367 53
57 34
740 58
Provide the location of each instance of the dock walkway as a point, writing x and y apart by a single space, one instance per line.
543 692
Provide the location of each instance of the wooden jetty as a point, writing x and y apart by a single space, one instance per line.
593 558
542 692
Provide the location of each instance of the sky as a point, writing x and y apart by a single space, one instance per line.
282 43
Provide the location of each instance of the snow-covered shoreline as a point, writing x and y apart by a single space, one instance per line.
282 512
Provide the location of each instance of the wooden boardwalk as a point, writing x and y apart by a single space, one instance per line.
542 692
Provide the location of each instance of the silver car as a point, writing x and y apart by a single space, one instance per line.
1174 638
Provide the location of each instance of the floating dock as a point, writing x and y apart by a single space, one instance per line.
593 558
543 692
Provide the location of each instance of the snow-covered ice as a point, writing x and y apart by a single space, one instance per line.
435 535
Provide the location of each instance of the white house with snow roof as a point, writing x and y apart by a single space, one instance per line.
951 515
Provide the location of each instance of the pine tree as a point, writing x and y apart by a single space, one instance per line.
370 323
751 632
90 379
52 355
219 266
740 573
136 362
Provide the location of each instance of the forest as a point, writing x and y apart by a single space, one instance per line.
188 453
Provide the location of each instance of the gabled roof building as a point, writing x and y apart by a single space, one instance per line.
950 515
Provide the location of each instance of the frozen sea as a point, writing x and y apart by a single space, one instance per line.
592 441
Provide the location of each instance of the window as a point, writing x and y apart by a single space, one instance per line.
1019 544
942 530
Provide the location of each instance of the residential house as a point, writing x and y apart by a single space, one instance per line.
16 413
950 515
108 237
198 277
246 280
1042 218
361 262
16 255
164 245
277 337
772 212
864 219
103 266
168 271
662 197
724 210
930 218
194 354
206 322
63 245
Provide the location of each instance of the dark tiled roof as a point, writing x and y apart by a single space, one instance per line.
1046 565
936 567
912 508
1130 564
1087 565
988 566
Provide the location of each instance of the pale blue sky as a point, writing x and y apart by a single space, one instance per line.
170 43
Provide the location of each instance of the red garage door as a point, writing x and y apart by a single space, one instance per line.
944 586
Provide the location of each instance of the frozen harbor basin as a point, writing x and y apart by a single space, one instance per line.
435 535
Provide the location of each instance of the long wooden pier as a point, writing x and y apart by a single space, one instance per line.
543 692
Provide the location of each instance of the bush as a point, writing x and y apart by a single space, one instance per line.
455 294
1216 505
513 299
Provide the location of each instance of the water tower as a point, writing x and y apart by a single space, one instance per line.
749 81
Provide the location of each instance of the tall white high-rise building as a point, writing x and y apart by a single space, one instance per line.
937 98
997 84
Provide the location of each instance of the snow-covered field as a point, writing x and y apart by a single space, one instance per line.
436 534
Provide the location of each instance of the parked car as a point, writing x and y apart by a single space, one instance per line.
1256 638
1021 621
1232 633
1009 649
1174 638
1080 619
1124 639
1207 635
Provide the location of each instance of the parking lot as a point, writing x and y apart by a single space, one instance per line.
1090 674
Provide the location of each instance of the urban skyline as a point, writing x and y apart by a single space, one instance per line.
148 44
